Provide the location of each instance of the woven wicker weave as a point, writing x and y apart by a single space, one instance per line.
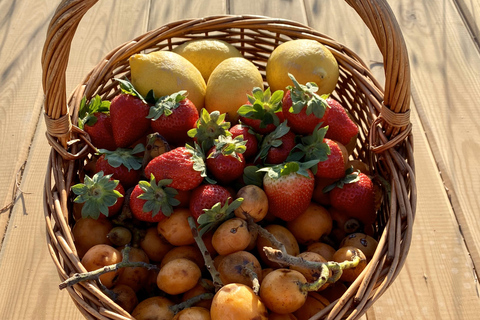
385 140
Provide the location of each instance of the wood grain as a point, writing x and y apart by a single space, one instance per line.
21 95
446 89
438 281
430 277
29 279
470 11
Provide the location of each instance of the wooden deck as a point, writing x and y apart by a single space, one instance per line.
439 279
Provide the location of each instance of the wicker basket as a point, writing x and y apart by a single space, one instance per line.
385 140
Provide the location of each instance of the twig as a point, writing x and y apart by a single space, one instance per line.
95 274
191 302
206 255
248 270
281 256
337 268
17 191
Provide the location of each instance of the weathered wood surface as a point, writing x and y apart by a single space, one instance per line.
438 280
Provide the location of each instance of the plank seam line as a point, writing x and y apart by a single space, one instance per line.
147 23
467 24
305 13
451 195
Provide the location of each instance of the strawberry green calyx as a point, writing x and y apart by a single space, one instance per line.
251 175
263 106
127 88
312 147
97 193
123 156
226 145
284 169
159 198
164 105
213 217
272 140
86 112
209 127
351 176
198 158
305 95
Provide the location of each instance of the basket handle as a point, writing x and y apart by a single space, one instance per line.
395 110
376 14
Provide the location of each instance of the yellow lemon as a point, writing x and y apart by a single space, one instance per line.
229 85
165 73
308 61
206 54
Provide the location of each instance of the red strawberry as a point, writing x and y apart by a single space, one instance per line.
129 122
302 107
99 195
152 201
289 188
276 146
341 126
173 116
184 165
94 118
205 196
225 159
263 112
334 166
328 152
250 138
122 163
100 131
355 196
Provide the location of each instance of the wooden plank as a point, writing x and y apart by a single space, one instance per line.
20 74
29 279
446 88
293 10
446 283
438 280
163 12
470 12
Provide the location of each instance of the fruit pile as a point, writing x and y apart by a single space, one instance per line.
218 198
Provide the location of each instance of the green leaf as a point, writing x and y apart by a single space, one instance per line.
79 188
252 176
166 104
127 87
123 156
272 140
213 217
